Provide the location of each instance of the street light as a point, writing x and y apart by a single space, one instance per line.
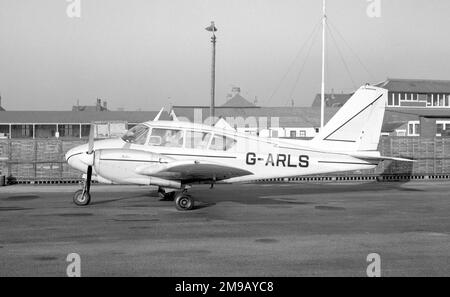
212 28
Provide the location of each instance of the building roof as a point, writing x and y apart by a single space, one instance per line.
239 102
288 116
331 100
49 117
416 85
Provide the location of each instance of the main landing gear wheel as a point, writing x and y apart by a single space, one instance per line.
81 198
184 202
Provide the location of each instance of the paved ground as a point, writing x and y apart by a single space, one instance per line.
247 230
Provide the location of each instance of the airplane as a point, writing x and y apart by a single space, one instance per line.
175 155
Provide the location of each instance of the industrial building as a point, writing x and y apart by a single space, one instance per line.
414 108
34 142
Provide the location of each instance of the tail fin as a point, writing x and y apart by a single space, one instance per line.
357 125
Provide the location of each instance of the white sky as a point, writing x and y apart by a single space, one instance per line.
139 53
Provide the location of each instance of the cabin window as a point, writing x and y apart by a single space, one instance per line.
222 143
137 134
166 137
197 140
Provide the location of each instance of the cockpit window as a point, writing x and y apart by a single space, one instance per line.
137 134
222 143
166 137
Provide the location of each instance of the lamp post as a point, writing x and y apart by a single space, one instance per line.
212 28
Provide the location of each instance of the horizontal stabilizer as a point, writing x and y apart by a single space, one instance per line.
381 158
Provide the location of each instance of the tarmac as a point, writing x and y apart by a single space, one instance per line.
293 229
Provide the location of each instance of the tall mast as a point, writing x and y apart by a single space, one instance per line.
322 93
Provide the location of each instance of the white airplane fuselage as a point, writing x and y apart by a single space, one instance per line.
121 162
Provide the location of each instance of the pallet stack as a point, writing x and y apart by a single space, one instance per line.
43 159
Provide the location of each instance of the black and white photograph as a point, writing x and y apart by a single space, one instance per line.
222 145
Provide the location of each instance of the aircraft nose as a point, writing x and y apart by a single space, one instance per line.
74 157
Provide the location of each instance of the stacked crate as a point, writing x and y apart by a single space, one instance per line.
48 159
4 157
22 156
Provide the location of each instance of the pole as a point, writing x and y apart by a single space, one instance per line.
322 92
213 76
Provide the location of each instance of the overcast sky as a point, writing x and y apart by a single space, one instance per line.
147 54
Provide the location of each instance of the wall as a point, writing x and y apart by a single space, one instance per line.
43 159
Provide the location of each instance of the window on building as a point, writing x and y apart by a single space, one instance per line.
22 131
85 130
442 128
435 99
397 100
439 129
44 131
274 133
391 100
197 140
292 134
222 143
413 128
302 133
69 130
447 100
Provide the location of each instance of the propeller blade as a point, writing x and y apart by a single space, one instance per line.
91 140
88 178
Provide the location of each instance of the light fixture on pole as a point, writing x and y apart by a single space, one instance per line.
322 89
212 28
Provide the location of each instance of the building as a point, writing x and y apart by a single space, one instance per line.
416 108
68 124
331 100
247 117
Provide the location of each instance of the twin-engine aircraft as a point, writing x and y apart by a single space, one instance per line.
174 155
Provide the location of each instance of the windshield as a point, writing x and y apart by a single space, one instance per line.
137 134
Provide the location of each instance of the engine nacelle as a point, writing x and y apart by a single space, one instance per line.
120 166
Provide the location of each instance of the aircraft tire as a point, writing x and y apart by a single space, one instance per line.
184 202
80 199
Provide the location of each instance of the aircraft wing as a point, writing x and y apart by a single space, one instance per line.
193 170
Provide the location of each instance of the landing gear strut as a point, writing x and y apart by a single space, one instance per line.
83 197
168 196
184 201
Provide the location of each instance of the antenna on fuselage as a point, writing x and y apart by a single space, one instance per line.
173 115
158 115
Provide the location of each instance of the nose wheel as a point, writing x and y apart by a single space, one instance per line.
184 201
83 197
